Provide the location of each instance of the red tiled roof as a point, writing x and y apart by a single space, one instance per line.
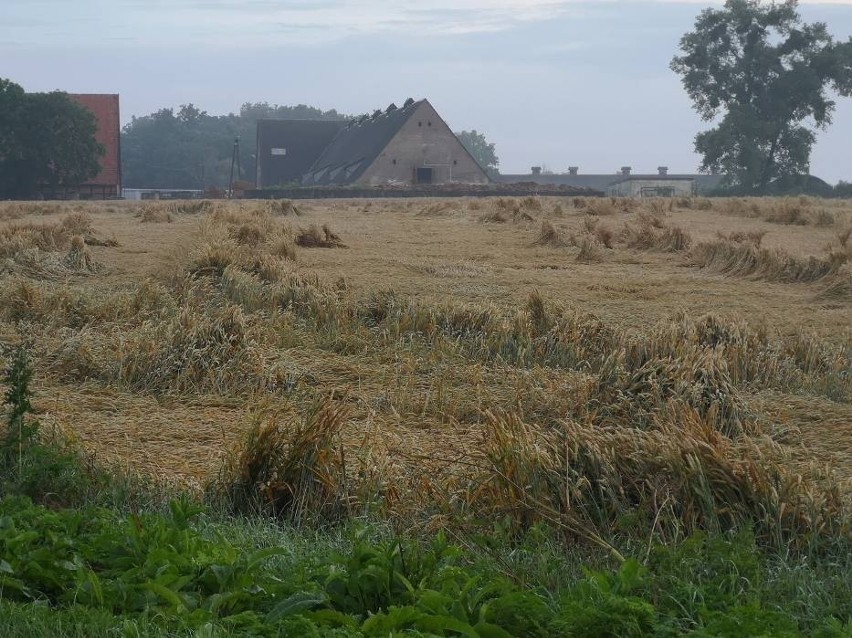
105 109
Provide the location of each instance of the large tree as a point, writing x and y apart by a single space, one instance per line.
767 80
482 151
47 142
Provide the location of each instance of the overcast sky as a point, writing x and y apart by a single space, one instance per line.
553 83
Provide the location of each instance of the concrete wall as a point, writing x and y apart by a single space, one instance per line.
646 188
425 141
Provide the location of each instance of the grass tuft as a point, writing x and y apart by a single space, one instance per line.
291 469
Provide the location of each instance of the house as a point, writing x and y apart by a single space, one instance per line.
105 107
408 145
624 183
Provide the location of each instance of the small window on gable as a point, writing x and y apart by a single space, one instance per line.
455 162
394 162
430 124
419 123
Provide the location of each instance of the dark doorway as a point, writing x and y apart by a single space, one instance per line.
424 176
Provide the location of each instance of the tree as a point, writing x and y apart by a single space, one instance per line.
482 151
47 142
765 77
192 149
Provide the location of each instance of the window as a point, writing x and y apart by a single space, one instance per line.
455 162
419 123
278 152
430 124
394 162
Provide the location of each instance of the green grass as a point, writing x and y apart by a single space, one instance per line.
93 571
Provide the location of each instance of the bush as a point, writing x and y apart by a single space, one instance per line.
291 470
45 472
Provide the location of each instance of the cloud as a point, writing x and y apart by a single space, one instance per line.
262 23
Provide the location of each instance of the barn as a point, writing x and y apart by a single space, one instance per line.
400 146
105 107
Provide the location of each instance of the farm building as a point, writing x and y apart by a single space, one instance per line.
286 149
107 183
653 186
399 146
625 182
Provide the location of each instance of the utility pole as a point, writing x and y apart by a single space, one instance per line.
235 161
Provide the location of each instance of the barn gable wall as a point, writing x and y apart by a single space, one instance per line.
424 141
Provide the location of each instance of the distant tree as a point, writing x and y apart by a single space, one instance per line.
265 111
482 151
47 142
843 189
11 104
767 76
192 149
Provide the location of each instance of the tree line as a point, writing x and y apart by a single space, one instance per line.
189 148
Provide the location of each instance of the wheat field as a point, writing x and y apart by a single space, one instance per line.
542 357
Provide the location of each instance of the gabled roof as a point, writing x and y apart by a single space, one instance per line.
297 144
358 145
105 109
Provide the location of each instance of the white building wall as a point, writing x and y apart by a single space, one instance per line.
647 187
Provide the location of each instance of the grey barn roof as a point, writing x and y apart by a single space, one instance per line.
303 142
357 146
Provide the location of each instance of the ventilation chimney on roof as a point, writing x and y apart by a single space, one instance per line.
391 108
625 170
573 170
663 170
408 102
536 170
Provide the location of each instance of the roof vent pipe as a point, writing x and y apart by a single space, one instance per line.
573 170
625 170
663 170
536 170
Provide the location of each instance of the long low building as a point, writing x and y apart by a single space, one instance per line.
625 183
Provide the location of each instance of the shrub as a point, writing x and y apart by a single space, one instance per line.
589 250
313 237
591 478
156 214
78 224
290 469
549 236
647 236
45 472
745 260
79 258
755 238
600 207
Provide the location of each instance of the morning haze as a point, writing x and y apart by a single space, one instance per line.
551 83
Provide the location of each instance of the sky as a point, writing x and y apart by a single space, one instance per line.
553 83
